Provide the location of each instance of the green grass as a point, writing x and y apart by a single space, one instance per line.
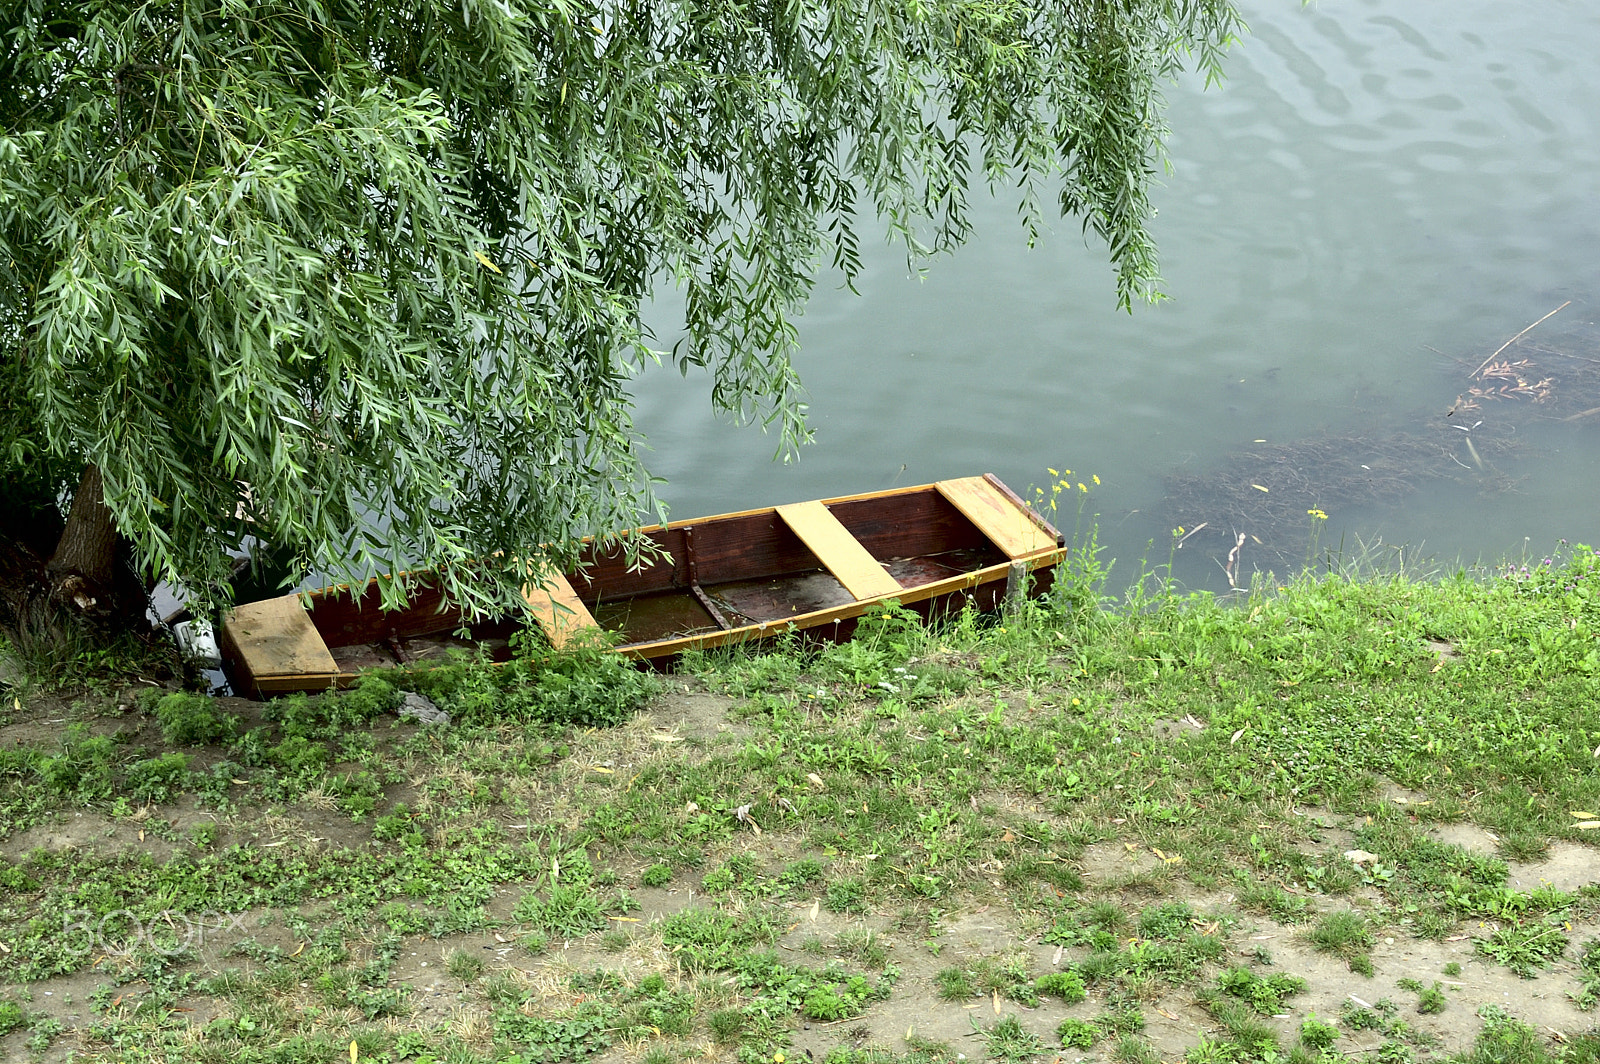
1012 767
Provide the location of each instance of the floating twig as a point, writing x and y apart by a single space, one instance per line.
1519 336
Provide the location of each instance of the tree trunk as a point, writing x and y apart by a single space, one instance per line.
68 587
80 570
89 573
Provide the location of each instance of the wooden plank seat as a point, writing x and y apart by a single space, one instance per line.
277 639
838 551
557 608
1006 524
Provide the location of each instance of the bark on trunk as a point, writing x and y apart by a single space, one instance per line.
89 572
83 566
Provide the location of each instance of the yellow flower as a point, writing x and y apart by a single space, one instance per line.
1097 478
1052 472
1077 702
1081 487
1318 514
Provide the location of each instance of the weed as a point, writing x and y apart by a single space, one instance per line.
566 911
726 1025
1245 1029
1010 975
1269 898
1078 1034
1506 1040
865 945
710 939
1264 994
657 875
1134 1051
1067 986
1432 1000
1121 1019
1315 1034
1172 920
1588 992
1524 947
193 720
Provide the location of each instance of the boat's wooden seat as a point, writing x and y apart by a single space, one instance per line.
1007 525
276 638
838 551
557 608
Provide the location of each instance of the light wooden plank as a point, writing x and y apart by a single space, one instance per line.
838 551
559 611
1006 524
275 637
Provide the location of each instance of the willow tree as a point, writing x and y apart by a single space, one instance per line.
362 280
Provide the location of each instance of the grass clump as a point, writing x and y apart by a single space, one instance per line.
1134 1051
1007 1040
1432 1000
1344 934
1588 993
956 984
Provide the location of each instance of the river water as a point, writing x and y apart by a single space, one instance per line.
1377 194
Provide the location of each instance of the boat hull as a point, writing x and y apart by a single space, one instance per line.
736 578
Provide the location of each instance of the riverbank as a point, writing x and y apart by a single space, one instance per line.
1344 818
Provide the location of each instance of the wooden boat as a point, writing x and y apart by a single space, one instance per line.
721 580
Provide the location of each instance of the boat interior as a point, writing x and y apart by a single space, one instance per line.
720 573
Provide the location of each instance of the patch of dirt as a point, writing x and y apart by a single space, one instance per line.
1567 866
1107 864
1326 830
106 836
1392 792
981 933
692 712
1176 729
1467 836
658 903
